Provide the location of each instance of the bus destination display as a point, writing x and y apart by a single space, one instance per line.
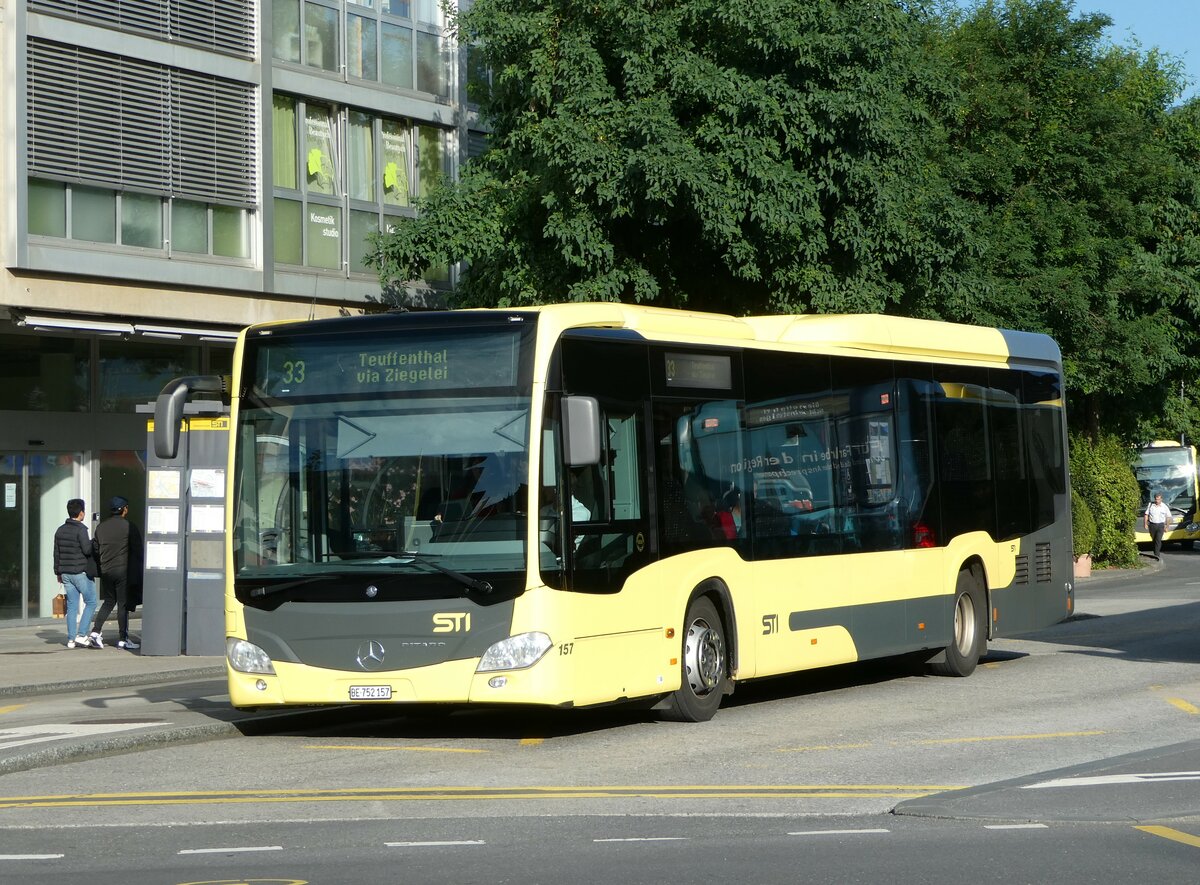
699 370
365 365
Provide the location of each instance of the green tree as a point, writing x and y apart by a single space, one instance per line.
1082 182
765 156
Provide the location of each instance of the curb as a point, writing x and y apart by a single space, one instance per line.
102 682
129 742
111 745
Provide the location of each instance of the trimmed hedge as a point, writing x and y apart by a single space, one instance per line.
1102 474
1083 525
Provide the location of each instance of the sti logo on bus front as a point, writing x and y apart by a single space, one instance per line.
452 622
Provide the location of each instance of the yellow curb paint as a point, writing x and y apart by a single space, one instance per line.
1175 702
1013 737
435 794
11 708
393 749
532 742
1173 835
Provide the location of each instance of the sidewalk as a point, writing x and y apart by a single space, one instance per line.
34 660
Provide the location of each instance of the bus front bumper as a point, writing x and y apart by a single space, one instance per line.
453 682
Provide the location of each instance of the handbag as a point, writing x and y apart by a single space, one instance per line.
59 609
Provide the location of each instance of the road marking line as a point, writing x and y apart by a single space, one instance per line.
35 734
433 844
1110 779
393 749
1012 737
230 850
1183 705
531 742
444 794
647 839
31 856
837 832
818 747
1015 827
11 708
1173 835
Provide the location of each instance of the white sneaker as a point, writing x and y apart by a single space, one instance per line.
97 640
128 643
81 642
71 643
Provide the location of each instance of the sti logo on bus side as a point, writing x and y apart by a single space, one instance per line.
452 622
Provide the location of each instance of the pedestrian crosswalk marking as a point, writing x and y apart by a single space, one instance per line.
24 735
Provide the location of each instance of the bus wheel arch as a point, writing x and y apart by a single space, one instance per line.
968 640
707 651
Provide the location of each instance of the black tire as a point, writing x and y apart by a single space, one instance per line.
1188 544
969 641
703 666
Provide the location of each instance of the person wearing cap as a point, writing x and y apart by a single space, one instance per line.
75 568
118 546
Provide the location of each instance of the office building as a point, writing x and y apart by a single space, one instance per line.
174 170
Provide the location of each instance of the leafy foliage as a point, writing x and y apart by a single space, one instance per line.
1083 186
1004 165
765 156
1083 526
1102 475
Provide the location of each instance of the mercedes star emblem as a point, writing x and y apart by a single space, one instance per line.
370 655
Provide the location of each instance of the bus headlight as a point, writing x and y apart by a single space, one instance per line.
246 657
515 653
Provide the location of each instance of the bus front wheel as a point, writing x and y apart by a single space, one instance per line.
969 642
702 665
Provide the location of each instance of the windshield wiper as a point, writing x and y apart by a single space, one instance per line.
405 558
271 590
423 558
258 592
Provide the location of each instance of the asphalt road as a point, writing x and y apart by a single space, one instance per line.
1074 752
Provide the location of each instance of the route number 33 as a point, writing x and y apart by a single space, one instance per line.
293 372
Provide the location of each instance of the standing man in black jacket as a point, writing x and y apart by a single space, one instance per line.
75 568
118 546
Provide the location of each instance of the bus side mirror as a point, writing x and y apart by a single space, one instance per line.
581 431
168 409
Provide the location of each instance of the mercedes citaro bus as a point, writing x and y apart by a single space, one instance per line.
582 504
1168 468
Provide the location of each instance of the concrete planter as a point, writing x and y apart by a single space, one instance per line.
1083 566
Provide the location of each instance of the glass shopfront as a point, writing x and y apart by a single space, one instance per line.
69 429
34 490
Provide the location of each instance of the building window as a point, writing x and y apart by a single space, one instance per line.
141 220
339 201
44 374
134 372
285 29
196 228
433 158
396 43
321 36
93 214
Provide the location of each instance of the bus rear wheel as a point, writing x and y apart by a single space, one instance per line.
702 665
969 642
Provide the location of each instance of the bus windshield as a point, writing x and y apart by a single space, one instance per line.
1169 472
340 469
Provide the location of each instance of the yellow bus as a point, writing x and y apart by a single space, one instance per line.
1168 468
583 504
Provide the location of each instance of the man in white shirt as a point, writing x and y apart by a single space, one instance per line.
1158 517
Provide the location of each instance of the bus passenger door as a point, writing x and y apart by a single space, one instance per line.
606 507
